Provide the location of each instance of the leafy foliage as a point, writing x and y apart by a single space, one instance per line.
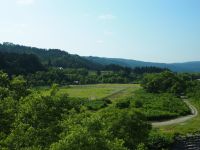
158 140
76 76
123 104
97 104
165 82
107 129
15 64
56 121
156 106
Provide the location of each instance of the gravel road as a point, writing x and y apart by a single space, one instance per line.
179 120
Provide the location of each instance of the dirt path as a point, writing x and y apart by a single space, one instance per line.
180 119
116 93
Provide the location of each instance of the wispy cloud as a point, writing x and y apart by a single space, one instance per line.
99 41
25 2
108 33
107 17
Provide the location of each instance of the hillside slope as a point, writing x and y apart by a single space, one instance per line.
54 57
178 67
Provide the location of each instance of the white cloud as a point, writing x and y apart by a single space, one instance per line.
107 17
25 2
99 41
108 33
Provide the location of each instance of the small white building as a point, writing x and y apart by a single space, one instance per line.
76 82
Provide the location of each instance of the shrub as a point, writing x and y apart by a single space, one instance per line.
123 104
96 104
138 104
158 140
160 106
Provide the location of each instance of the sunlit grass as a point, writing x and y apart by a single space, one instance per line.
97 91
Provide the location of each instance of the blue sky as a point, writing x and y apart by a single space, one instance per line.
148 30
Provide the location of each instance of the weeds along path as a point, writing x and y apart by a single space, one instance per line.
194 113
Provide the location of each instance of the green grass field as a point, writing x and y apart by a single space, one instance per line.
97 91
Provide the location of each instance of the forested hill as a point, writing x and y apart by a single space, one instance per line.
15 64
59 58
51 57
124 62
177 67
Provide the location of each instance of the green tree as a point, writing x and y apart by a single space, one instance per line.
37 122
129 125
4 80
19 86
165 82
8 110
109 129
87 133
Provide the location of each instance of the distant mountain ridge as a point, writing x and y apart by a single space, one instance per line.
60 58
193 66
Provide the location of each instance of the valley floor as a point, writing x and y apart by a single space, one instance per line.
117 92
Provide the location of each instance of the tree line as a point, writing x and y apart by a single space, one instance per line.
16 64
38 74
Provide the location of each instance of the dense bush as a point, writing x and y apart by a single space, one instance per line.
160 106
96 104
123 104
166 82
107 129
37 122
138 104
193 90
158 140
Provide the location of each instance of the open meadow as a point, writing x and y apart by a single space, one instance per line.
96 91
156 107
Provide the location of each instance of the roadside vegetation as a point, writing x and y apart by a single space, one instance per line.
191 126
157 107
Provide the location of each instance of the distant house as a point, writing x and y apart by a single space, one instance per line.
198 79
61 68
76 82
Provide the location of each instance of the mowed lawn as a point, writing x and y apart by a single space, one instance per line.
96 91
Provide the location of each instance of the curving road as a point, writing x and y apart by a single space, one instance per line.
194 113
